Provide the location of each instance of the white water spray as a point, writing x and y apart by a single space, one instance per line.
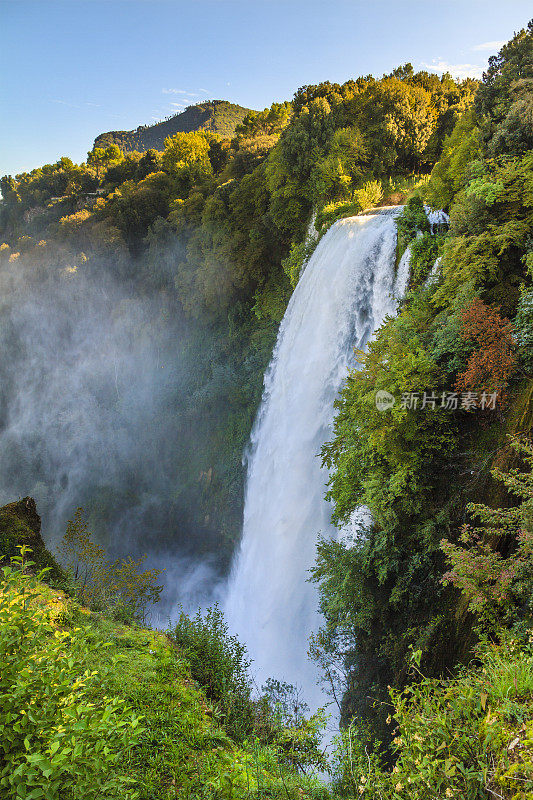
348 287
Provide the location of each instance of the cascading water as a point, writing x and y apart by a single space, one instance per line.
346 290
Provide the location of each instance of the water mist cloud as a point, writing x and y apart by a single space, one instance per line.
91 378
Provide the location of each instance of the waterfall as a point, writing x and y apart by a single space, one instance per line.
346 290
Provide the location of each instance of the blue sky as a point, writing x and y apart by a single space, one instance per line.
70 69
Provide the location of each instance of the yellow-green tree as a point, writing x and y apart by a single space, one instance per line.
101 158
120 585
186 159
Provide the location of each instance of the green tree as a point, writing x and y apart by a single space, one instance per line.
186 159
504 100
101 158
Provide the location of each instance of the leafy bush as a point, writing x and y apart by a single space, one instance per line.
299 254
469 737
496 587
523 329
412 220
55 741
218 662
119 586
369 194
425 250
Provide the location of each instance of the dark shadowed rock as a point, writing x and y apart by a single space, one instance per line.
20 524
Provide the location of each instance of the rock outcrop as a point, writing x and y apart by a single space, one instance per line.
20 524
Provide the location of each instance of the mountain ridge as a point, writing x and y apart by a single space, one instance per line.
217 116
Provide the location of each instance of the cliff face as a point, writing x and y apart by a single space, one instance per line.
20 524
217 116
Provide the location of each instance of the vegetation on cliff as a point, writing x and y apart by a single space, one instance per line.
461 336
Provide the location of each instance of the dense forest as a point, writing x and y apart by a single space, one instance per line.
194 251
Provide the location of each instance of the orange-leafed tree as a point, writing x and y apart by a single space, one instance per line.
494 357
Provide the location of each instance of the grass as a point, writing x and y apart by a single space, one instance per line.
183 751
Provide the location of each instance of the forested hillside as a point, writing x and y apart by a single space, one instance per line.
217 116
463 335
177 267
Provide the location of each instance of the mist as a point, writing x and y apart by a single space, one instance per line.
93 380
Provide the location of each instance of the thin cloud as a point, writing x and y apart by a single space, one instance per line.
180 91
65 103
74 105
494 46
460 71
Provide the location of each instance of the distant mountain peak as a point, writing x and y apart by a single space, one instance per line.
218 116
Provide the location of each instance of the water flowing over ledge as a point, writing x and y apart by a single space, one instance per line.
348 287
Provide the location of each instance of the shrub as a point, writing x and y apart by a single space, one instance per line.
219 663
468 738
369 194
424 252
412 220
523 329
299 254
494 585
55 741
334 211
457 738
494 358
119 586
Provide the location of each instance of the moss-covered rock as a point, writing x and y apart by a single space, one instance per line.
20 524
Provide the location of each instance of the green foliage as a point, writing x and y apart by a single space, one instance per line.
298 256
460 148
504 97
218 662
523 328
186 159
412 220
340 172
466 737
331 212
100 158
71 700
456 738
133 167
489 240
119 587
276 720
425 250
56 740
267 122
366 197
369 195
498 589
134 207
